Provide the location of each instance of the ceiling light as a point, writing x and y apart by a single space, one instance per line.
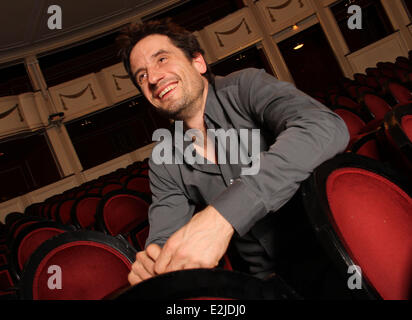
299 46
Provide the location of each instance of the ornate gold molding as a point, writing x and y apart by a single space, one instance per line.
279 7
76 95
8 112
231 31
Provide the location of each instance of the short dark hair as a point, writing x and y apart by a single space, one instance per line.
179 36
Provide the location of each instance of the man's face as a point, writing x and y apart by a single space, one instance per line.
168 79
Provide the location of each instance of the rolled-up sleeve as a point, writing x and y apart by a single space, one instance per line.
306 134
170 209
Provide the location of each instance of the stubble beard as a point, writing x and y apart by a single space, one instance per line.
187 106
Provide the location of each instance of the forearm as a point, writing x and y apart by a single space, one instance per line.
298 150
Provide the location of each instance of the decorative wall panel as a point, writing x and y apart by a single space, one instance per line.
78 97
235 32
385 50
280 14
11 116
209 57
117 83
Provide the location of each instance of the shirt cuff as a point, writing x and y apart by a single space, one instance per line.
240 206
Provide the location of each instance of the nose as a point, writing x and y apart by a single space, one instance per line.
154 76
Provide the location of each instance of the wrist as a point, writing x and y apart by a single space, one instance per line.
220 222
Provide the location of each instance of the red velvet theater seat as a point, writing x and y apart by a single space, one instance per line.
401 94
6 280
33 209
377 106
208 284
110 186
367 145
18 226
340 100
362 213
352 120
138 236
360 78
63 211
406 124
397 137
84 211
12 217
29 239
79 265
120 211
138 183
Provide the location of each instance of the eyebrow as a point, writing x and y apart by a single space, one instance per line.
154 55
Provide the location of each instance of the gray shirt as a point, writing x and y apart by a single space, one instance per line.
297 134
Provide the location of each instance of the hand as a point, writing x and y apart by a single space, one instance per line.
201 243
143 267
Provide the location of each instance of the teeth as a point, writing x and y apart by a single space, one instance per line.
166 90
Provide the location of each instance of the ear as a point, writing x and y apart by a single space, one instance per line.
199 63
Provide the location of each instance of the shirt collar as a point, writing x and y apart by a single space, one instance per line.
214 109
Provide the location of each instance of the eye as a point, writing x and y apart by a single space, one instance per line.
162 59
142 77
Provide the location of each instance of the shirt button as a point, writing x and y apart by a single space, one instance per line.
231 181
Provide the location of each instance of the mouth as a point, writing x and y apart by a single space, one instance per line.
165 92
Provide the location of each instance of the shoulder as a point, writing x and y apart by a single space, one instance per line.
238 77
249 82
162 165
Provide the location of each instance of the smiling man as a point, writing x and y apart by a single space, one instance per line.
297 134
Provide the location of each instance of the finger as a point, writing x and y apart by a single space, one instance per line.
139 270
146 262
176 264
163 261
133 278
153 251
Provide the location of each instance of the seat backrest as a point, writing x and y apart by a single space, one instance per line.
366 145
53 210
352 91
138 236
63 211
381 239
138 183
373 72
367 209
6 280
19 225
94 190
360 78
400 93
406 124
351 119
108 187
84 211
121 210
398 132
33 209
372 82
29 240
346 102
378 106
79 265
12 217
403 65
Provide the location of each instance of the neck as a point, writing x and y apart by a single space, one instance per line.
195 120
